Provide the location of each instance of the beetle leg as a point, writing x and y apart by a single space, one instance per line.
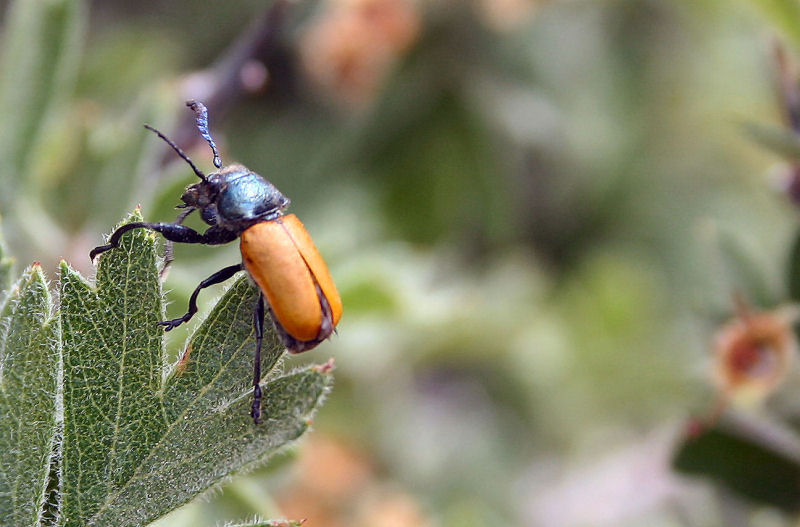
216 278
169 256
171 231
258 325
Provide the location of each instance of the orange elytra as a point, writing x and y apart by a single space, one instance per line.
283 260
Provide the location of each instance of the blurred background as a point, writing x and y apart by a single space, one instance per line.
538 215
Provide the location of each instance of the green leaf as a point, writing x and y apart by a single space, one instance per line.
30 360
756 460
271 523
440 152
794 270
785 14
6 269
40 56
743 270
142 437
777 139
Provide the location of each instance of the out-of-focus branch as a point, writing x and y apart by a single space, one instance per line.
248 65
789 95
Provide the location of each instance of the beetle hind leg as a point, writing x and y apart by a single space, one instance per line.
258 326
216 278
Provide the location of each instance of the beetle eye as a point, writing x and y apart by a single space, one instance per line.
209 189
189 196
212 188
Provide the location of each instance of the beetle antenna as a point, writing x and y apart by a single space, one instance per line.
177 151
201 117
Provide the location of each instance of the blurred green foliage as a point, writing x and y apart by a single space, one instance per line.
536 221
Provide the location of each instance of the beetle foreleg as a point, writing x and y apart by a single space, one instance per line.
258 325
216 278
174 232
171 231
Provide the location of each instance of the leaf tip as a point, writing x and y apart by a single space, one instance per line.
135 215
64 268
328 367
34 273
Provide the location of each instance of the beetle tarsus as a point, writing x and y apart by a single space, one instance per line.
169 325
255 408
100 250
114 240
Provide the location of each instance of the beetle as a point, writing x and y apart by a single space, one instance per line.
295 285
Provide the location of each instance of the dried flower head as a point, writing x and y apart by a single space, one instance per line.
507 15
350 48
753 353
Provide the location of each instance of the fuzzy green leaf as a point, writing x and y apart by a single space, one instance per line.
142 437
30 359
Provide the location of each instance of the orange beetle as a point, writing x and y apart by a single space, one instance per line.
277 252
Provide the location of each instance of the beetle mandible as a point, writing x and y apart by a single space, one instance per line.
277 252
